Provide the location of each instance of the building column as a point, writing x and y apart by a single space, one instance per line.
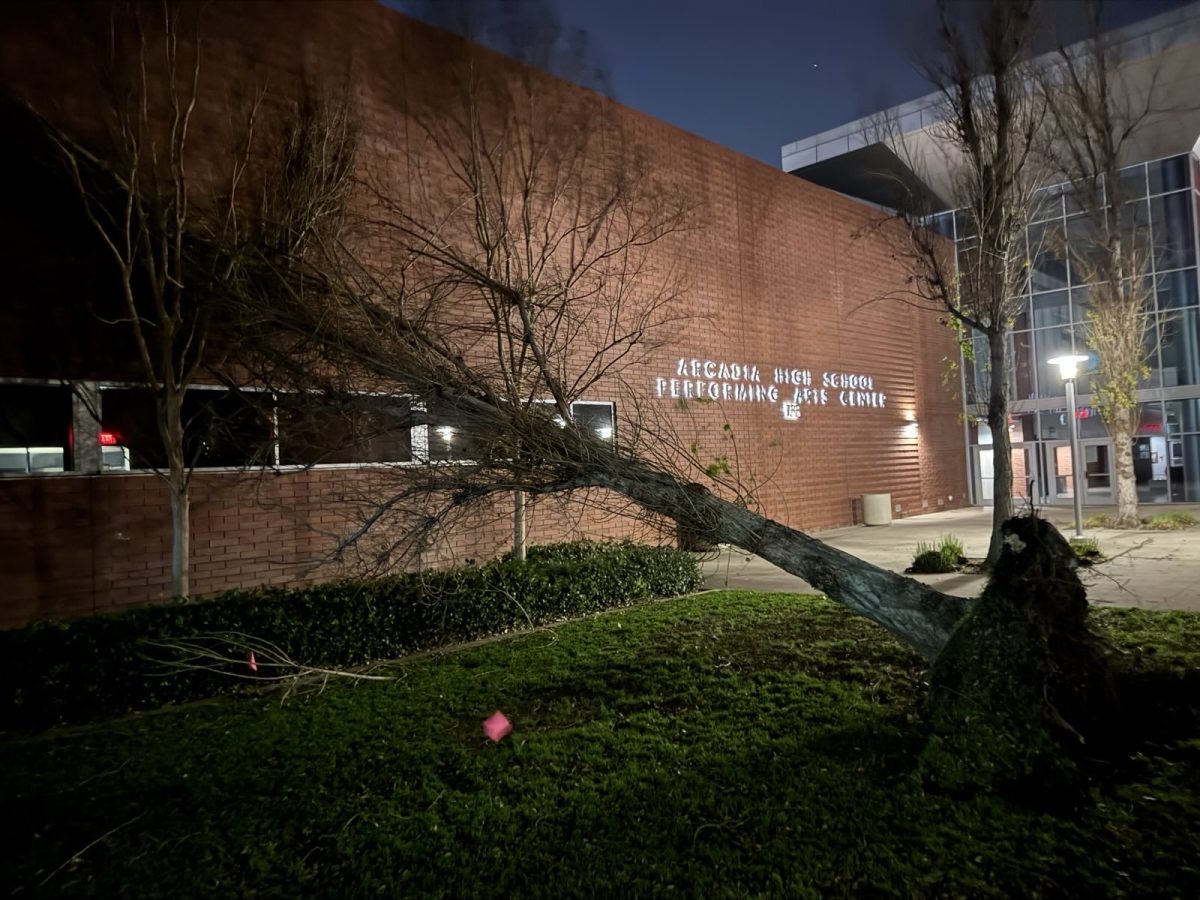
86 455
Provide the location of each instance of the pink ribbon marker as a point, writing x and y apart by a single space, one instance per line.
496 726
253 662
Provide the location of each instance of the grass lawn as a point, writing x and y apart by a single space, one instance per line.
728 744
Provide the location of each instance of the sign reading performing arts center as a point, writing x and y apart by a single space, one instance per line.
792 389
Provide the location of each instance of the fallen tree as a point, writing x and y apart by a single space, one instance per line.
512 264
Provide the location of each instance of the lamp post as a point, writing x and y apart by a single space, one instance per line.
1068 367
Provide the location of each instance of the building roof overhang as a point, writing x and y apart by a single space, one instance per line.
890 157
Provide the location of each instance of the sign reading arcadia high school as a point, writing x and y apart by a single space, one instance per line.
792 389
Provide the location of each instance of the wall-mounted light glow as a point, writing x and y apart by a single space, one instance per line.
560 421
910 428
108 439
446 432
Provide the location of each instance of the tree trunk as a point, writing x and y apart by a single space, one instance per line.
1120 428
180 539
171 420
518 549
997 419
918 615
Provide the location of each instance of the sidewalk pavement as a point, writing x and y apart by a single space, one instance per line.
1147 569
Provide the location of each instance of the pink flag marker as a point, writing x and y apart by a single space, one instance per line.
253 662
496 726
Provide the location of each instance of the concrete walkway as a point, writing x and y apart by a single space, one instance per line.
1148 569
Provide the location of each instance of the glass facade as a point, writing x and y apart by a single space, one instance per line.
1162 199
231 429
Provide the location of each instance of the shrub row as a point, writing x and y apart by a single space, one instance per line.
84 669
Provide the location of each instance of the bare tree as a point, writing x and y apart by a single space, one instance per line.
138 194
521 262
987 137
1097 113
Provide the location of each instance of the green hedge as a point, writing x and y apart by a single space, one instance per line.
84 669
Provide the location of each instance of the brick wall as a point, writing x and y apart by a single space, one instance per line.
782 273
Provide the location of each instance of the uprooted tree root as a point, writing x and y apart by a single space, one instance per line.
1024 690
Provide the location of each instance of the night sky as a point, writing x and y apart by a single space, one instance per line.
749 74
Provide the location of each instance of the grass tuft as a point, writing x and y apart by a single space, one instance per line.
1172 521
1087 549
946 555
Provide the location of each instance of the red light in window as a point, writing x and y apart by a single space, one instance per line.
108 439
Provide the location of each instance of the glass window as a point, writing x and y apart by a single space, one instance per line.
1071 203
1023 427
222 428
1051 309
315 430
1079 305
1180 347
1020 316
1185 468
226 428
1083 381
1046 248
975 374
1168 175
451 437
943 224
1135 227
1150 418
968 252
964 224
1049 343
1174 239
128 414
1049 204
1150 341
35 427
1020 368
1020 351
1056 426
1182 416
595 418
1087 250
1177 290
1133 182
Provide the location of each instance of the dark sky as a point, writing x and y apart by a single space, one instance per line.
749 74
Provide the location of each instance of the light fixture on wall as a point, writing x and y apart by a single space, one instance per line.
910 427
1068 368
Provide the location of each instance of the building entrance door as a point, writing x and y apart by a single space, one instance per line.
984 474
1097 472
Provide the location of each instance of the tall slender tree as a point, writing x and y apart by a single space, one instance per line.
137 184
989 128
1097 113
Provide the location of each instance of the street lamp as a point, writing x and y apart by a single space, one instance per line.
1068 367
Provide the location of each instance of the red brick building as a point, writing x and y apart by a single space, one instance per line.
830 390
